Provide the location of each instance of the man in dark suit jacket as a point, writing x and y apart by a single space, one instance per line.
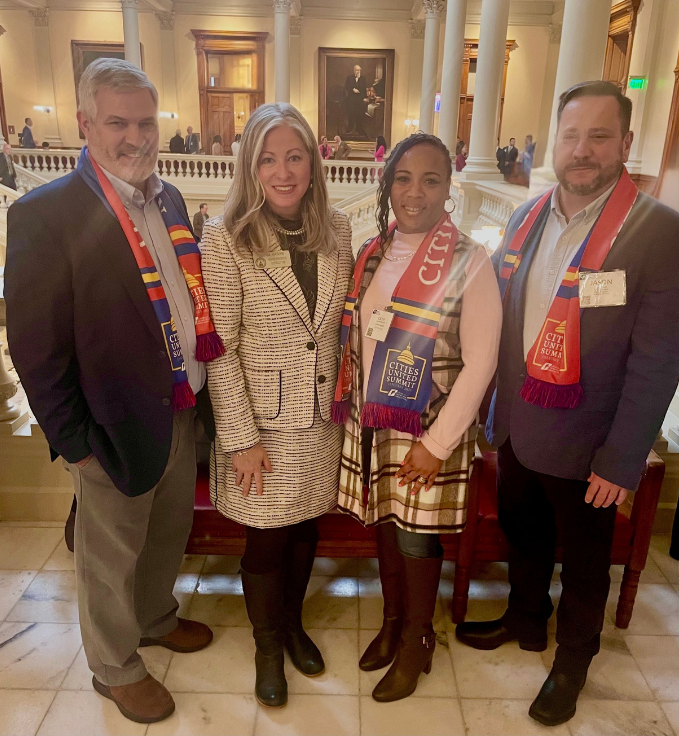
566 470
192 141
93 359
355 90
199 220
177 142
511 154
7 170
27 135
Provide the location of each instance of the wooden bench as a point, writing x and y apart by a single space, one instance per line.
481 541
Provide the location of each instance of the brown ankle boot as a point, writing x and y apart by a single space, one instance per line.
189 636
146 701
418 640
382 649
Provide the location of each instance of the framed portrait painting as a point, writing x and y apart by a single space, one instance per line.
355 94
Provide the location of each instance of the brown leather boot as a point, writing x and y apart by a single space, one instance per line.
146 701
189 636
382 649
418 640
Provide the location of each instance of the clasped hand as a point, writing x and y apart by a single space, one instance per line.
603 493
419 463
248 467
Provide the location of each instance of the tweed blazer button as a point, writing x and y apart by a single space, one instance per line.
311 345
321 379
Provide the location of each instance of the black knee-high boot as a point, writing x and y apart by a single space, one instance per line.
416 648
300 555
264 602
382 649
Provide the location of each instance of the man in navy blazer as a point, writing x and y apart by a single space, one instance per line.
91 355
565 470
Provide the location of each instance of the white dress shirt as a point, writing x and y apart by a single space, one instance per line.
147 219
559 244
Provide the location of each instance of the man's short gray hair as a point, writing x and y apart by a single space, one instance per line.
115 74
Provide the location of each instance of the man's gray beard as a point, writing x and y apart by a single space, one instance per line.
605 178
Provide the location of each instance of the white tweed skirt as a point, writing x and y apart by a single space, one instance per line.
304 483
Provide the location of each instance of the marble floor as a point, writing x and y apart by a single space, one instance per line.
45 686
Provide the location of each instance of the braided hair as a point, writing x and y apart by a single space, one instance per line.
389 173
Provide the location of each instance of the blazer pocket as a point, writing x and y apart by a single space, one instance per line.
264 392
109 412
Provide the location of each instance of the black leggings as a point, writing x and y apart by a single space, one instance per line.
265 549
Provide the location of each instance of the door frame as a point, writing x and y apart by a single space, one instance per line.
672 137
230 42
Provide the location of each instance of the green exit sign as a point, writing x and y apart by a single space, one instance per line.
637 82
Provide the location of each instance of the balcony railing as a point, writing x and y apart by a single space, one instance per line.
194 168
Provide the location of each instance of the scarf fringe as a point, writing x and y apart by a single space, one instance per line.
341 411
381 416
208 347
182 396
550 395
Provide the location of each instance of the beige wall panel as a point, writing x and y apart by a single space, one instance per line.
661 85
17 60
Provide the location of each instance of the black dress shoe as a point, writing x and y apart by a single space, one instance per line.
493 634
557 698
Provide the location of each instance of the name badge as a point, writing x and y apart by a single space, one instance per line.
378 327
603 289
279 259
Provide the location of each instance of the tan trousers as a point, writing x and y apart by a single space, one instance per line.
127 555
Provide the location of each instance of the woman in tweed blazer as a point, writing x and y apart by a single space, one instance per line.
416 486
276 269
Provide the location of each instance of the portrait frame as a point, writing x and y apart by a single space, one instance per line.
335 65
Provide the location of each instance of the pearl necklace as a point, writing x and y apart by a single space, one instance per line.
290 233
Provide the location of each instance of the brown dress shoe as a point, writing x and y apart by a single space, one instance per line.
146 701
189 636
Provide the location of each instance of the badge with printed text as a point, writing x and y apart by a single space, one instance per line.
279 259
603 289
378 327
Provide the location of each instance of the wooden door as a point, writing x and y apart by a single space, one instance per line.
220 120
667 190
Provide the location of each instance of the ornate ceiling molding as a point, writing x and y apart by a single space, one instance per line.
434 8
166 21
417 29
296 25
40 18
282 6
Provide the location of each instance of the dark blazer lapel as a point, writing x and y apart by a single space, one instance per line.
113 244
328 265
286 281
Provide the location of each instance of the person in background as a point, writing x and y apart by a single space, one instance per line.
235 146
325 149
511 154
461 152
199 220
217 147
574 429
355 89
7 170
27 135
277 267
177 142
117 403
380 148
45 145
527 156
342 149
192 141
408 396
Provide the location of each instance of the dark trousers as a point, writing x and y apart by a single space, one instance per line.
267 550
533 510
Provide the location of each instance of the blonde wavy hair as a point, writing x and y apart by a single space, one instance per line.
246 215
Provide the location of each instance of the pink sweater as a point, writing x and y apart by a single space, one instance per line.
379 154
480 327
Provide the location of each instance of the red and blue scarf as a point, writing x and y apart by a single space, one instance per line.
208 343
553 363
399 386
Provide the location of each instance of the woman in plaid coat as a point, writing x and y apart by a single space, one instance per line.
420 334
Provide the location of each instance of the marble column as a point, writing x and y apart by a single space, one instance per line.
433 10
584 35
295 61
281 30
169 74
131 31
482 162
47 124
451 73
